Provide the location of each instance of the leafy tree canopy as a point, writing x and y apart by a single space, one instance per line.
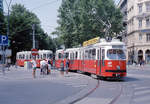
21 23
80 20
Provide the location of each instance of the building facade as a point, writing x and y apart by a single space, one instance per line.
137 38
1 5
138 30
123 7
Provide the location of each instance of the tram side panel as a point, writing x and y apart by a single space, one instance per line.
74 64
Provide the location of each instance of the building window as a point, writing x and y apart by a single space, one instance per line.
148 37
148 7
147 22
140 23
140 36
140 8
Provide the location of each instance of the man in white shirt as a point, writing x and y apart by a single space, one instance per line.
43 66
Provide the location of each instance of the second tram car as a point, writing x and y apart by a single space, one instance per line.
24 56
98 57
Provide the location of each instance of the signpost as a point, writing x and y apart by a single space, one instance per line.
34 52
3 42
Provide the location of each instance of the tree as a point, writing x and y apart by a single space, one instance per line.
21 21
80 20
2 24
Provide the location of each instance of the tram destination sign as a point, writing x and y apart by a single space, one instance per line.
3 40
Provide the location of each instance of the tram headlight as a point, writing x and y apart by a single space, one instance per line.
118 67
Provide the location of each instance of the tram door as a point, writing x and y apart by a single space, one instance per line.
100 61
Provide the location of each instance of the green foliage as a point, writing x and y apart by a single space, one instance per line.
79 20
2 24
21 21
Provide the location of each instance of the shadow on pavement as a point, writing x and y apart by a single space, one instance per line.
130 79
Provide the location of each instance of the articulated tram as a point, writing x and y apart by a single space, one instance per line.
97 56
24 56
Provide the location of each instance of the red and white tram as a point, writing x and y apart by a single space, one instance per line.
99 57
24 56
59 57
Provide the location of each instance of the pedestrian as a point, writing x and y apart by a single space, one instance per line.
143 62
140 62
62 67
49 67
43 67
33 62
67 66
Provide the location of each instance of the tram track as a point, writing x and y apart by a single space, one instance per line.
90 89
87 94
113 101
118 96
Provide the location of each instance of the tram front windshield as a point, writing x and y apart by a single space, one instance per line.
116 54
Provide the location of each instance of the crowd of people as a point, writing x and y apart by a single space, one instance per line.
46 66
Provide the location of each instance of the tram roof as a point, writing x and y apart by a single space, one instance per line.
45 51
109 43
39 51
104 43
71 49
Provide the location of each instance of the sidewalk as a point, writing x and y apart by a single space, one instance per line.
145 67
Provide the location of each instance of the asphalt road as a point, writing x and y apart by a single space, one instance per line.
18 87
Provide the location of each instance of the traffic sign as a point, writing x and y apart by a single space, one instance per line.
34 52
3 40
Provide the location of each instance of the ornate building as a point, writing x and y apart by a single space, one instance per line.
138 30
123 7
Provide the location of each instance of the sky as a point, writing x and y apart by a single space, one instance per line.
46 11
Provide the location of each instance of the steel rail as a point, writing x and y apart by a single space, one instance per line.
87 94
118 96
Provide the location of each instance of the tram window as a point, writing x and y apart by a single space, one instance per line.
59 55
37 56
30 56
86 54
121 54
71 56
98 54
66 55
27 57
80 55
89 54
49 56
93 53
44 56
115 54
76 55
23 56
